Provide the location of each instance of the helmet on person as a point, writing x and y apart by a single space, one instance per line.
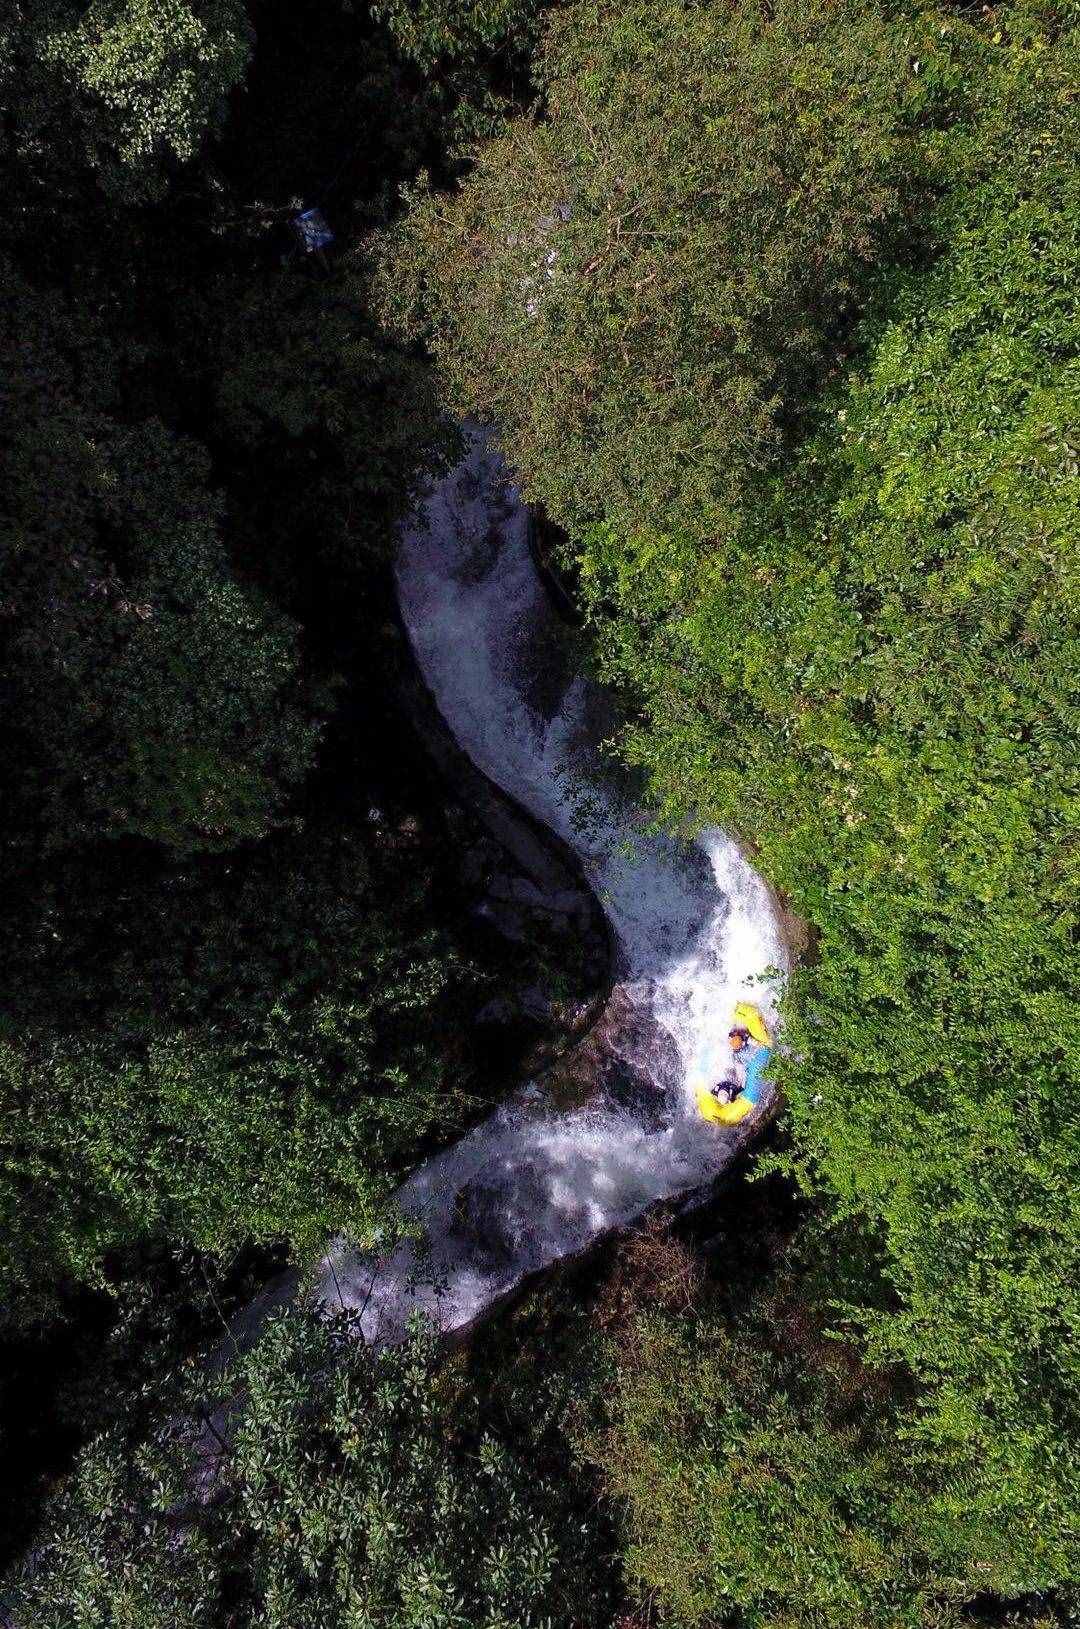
738 1038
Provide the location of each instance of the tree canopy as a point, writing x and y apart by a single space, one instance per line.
634 283
761 1467
892 719
125 87
359 1488
774 309
827 545
153 694
229 973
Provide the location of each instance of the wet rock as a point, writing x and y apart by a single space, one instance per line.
521 890
474 863
535 1004
638 1066
508 919
493 1230
500 1010
628 1088
478 555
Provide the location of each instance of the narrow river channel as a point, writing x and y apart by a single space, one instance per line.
693 926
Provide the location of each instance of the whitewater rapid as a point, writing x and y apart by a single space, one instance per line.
693 926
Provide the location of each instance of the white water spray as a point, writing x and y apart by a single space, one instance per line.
693 926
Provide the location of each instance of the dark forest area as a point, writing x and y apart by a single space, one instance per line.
773 307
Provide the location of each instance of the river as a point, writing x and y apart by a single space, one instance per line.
693 927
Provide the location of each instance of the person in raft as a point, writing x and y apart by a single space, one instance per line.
727 1102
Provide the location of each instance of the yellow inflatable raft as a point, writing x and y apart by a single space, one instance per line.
747 1017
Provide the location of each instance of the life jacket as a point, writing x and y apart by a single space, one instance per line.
755 1087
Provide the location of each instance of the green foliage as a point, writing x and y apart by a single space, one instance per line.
330 428
627 284
434 31
214 1029
250 1052
231 1013
761 1469
835 568
359 1489
869 670
123 84
476 57
857 645
158 69
151 693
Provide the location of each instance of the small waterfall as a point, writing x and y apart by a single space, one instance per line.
693 926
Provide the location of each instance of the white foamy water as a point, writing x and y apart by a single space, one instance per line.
693 926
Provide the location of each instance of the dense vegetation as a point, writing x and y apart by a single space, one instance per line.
359 1488
775 307
635 284
237 982
226 988
839 590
